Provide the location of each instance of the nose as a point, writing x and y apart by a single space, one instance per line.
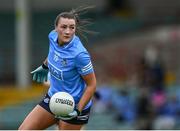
67 31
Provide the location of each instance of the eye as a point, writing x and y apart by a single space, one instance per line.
63 26
72 27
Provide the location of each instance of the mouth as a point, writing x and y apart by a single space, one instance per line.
66 37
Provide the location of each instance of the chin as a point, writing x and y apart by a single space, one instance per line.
66 41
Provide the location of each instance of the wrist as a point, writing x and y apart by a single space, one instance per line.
78 112
44 66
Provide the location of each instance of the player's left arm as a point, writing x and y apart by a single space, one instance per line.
85 69
90 80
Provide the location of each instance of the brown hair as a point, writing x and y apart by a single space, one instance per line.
81 24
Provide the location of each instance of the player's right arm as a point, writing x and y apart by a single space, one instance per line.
41 73
45 62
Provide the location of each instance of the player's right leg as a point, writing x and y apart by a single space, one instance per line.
38 119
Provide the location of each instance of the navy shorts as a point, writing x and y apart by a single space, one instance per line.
81 119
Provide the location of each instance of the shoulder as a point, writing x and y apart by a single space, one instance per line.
78 46
53 35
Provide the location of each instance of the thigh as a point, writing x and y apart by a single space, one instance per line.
38 119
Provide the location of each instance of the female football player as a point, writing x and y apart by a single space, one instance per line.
71 70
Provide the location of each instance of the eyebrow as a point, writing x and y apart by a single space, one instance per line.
69 25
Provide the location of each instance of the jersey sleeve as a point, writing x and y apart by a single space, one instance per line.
83 63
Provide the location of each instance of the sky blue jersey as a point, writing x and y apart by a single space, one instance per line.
66 65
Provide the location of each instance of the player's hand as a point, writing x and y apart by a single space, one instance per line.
70 116
40 74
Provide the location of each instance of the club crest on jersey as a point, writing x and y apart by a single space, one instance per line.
56 58
64 62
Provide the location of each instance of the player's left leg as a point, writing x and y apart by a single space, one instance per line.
67 126
76 123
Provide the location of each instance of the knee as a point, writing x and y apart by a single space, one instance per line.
21 127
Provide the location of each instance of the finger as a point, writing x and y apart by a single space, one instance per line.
73 114
38 78
46 78
64 118
34 76
36 70
32 72
42 78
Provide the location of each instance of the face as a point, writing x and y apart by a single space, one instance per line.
66 29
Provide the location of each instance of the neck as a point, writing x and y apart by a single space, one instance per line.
60 42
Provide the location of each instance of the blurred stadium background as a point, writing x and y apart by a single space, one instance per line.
135 56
